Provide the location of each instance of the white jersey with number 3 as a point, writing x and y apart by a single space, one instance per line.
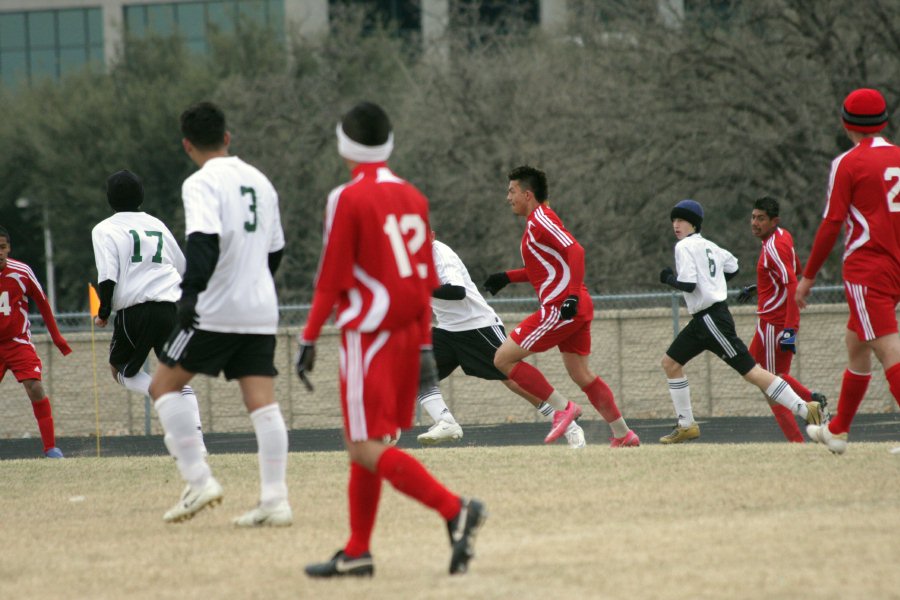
138 252
234 200
700 261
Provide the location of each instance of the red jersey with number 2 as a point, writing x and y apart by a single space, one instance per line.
864 193
377 259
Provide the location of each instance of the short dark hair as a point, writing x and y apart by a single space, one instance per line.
5 233
366 124
767 204
532 179
203 124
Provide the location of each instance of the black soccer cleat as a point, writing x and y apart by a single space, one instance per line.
342 565
820 398
462 529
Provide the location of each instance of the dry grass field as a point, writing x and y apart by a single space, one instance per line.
697 521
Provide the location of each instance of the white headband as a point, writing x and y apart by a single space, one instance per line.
363 154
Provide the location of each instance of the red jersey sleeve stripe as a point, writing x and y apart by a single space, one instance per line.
772 251
551 227
16 265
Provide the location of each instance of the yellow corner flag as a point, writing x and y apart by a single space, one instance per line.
94 300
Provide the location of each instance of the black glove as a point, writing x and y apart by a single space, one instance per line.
305 361
187 311
747 292
787 340
666 274
428 375
496 282
569 308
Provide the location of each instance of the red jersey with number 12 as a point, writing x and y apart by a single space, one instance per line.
864 193
377 259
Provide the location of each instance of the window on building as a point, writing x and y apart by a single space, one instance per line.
196 21
403 15
45 44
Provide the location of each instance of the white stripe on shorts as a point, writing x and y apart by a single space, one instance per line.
730 352
862 313
354 375
176 349
545 327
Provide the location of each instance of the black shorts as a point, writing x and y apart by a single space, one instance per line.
212 352
137 330
473 350
712 329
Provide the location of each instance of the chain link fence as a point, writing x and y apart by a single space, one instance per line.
630 335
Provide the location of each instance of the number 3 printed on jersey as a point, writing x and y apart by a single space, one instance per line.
397 230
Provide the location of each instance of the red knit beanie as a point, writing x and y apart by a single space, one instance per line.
864 110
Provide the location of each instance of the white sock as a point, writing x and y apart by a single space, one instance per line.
272 444
191 399
557 401
572 426
783 394
140 383
681 398
433 402
619 427
546 411
177 420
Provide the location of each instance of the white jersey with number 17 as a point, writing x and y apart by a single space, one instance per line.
137 252
235 201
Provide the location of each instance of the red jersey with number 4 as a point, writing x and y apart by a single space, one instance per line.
17 284
864 193
776 280
377 263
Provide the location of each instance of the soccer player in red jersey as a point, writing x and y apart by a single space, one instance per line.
377 271
775 341
554 265
863 195
17 354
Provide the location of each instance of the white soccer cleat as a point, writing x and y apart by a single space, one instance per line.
575 436
279 515
442 431
193 501
836 442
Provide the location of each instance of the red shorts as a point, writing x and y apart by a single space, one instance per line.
379 381
21 359
872 312
544 329
765 350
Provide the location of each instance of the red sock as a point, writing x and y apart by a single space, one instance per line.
408 476
602 398
44 416
363 492
531 380
786 421
799 388
893 376
853 389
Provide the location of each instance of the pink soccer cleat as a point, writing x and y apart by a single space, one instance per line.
561 420
629 440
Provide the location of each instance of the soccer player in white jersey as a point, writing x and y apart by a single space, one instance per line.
139 267
228 315
467 335
701 270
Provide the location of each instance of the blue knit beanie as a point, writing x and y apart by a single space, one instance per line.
690 211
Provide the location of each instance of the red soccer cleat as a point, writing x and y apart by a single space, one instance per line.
629 440
561 420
